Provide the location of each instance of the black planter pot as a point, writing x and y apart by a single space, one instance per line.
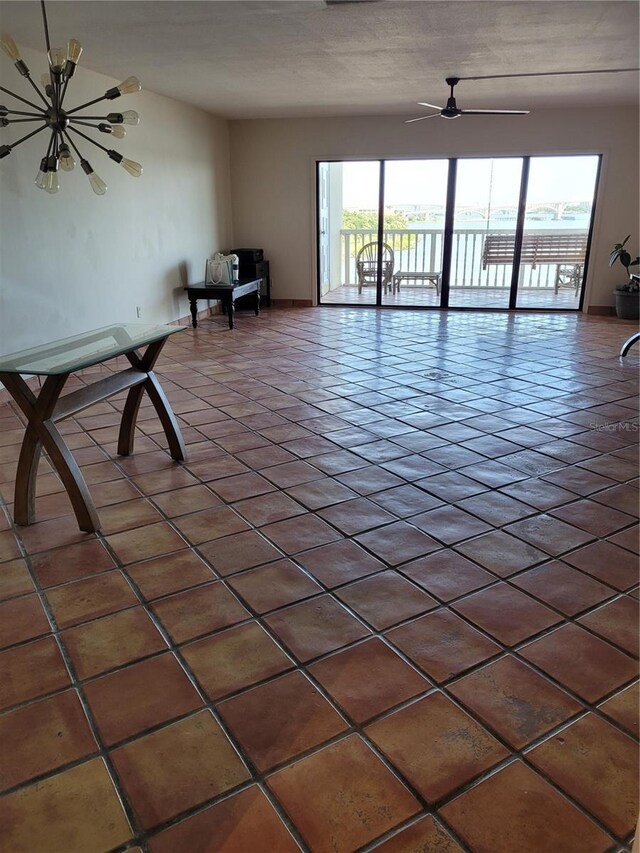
627 304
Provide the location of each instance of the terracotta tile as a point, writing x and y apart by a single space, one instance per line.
616 622
210 524
22 619
267 509
624 709
612 466
368 480
239 551
15 579
447 574
629 539
549 534
73 812
44 535
43 736
435 745
139 697
87 599
385 599
292 474
514 701
355 516
174 477
580 661
562 587
182 501
593 517
442 644
404 501
495 508
342 796
190 614
217 467
623 498
234 659
502 554
493 473
299 534
242 486
397 543
520 811
70 563
171 573
149 541
339 563
507 614
279 720
31 670
346 676
578 480
128 515
451 486
538 493
598 766
315 627
229 827
425 835
177 767
449 524
614 566
275 585
321 493
112 641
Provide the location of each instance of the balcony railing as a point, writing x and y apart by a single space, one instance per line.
420 250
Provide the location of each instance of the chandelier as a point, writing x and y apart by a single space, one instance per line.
64 124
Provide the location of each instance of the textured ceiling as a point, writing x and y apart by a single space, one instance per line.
245 59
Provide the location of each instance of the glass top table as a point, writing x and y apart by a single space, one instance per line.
70 354
141 344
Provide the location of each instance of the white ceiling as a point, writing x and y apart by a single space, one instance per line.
275 58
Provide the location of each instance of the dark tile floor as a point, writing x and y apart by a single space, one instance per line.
389 603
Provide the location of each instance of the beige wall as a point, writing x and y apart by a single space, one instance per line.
75 261
272 175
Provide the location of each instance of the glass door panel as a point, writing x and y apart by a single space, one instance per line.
485 216
415 197
557 220
348 213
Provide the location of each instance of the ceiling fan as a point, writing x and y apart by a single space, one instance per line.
451 110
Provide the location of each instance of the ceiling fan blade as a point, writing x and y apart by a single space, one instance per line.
433 106
422 118
494 112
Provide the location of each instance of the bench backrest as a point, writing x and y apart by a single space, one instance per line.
536 249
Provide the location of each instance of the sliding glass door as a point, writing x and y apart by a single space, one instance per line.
483 233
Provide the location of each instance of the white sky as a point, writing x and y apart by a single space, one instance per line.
425 181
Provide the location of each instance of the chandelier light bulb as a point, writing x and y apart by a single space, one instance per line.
129 86
67 163
133 168
130 117
74 49
57 58
97 184
52 185
118 132
10 48
41 177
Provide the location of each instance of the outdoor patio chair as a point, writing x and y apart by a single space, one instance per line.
367 265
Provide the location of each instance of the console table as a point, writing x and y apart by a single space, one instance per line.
226 293
57 361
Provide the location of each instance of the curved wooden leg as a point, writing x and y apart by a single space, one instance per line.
24 507
128 423
72 478
167 417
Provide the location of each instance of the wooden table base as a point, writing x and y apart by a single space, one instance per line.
48 407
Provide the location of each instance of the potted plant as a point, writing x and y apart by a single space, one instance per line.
627 295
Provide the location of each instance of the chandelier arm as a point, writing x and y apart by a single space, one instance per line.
49 145
88 104
46 103
71 143
28 136
23 113
18 120
19 98
85 119
46 25
89 139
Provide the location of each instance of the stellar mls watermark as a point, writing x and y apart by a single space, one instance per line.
618 427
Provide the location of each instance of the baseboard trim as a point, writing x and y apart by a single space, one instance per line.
292 303
601 310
